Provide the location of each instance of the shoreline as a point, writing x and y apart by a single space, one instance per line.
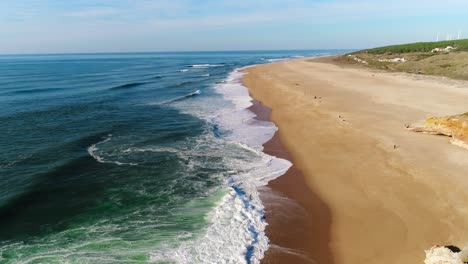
287 201
343 128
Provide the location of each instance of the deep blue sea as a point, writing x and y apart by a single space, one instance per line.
133 158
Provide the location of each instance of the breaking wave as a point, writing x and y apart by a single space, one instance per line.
236 230
192 94
205 65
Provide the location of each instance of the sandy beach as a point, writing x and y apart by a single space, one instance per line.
363 189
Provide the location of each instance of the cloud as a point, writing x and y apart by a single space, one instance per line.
156 24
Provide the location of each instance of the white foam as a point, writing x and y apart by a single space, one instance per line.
284 59
205 65
158 149
194 93
236 230
93 149
224 241
184 70
277 60
241 121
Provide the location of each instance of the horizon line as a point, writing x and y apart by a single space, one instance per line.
181 51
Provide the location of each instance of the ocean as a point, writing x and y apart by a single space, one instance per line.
133 158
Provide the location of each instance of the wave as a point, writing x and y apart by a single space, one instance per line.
182 84
277 60
197 92
249 134
184 70
38 197
32 91
192 94
151 149
205 65
93 149
128 85
205 75
240 213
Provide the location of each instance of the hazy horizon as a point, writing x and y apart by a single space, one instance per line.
102 26
169 51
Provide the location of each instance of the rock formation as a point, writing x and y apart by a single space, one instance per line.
455 127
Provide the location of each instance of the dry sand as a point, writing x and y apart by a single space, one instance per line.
376 192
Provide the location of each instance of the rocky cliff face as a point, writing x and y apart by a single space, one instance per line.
455 127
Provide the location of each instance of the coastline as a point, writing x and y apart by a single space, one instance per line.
386 202
289 202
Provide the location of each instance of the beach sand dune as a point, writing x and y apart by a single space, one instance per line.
376 192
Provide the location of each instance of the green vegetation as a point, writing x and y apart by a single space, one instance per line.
461 45
415 58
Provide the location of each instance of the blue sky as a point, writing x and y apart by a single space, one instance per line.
56 26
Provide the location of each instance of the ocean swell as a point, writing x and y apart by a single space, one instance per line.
192 94
128 85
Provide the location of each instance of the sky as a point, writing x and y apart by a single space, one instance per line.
73 26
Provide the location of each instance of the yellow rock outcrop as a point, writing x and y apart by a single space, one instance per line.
455 127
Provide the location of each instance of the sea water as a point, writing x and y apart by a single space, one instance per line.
133 158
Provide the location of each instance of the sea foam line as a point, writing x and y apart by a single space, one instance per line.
192 94
205 65
249 133
236 230
94 148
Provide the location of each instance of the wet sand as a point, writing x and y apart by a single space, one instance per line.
363 189
292 205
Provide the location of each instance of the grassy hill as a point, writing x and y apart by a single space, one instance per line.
415 58
461 45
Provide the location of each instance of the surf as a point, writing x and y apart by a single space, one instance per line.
205 65
240 212
169 174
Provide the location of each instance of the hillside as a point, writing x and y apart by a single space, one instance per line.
418 58
462 45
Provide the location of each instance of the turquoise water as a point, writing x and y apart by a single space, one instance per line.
132 158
